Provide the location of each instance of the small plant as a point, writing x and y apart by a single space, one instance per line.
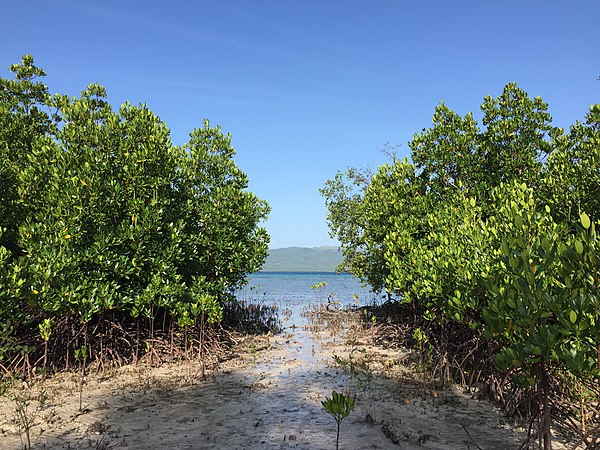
362 374
25 413
319 290
81 355
339 406
423 345
320 285
254 350
45 331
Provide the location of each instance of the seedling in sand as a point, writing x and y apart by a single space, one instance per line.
339 406
25 412
360 372
81 355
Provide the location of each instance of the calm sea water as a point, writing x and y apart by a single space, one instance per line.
299 288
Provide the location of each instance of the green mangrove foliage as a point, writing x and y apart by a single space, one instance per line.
100 214
489 235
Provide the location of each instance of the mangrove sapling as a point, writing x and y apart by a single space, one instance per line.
201 354
25 412
339 406
360 372
45 331
254 349
319 290
423 346
81 355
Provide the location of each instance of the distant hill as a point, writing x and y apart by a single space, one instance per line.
302 259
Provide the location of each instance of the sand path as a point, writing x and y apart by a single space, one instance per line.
269 397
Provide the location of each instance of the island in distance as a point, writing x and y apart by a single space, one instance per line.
303 259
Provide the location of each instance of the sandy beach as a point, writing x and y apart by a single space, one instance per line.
267 395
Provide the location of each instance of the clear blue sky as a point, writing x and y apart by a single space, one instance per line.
308 88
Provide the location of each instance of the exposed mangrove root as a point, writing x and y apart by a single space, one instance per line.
113 340
453 353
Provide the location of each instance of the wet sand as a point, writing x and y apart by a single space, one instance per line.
267 396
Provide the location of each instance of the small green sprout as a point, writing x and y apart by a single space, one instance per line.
339 406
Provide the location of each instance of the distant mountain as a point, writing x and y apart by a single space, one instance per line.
302 259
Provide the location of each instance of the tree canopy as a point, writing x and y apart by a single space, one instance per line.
100 212
489 229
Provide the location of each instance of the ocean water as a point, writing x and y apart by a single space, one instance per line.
294 294
299 289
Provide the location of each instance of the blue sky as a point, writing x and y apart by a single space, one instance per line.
307 88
